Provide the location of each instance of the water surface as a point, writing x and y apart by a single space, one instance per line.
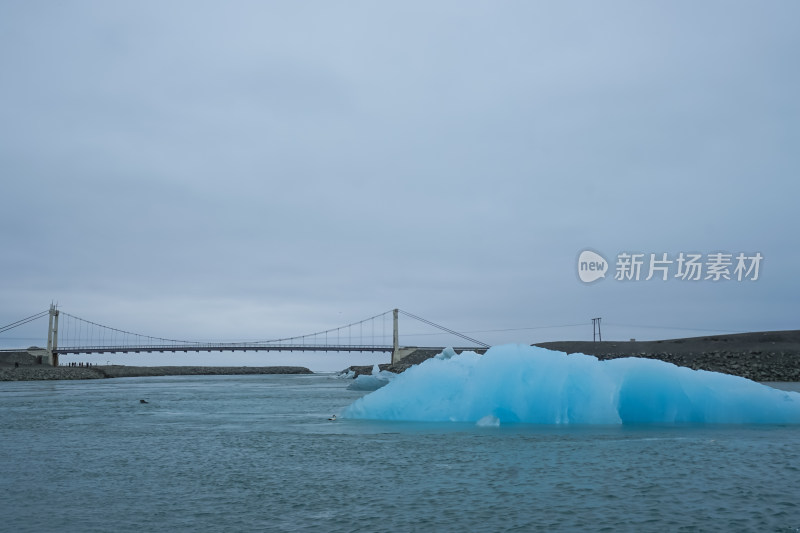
257 453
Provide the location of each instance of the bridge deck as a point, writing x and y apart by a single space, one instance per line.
223 348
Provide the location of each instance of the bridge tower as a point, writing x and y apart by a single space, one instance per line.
398 352
52 336
395 336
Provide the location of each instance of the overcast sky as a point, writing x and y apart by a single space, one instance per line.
251 170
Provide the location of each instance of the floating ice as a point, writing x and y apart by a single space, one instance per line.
375 381
527 384
488 421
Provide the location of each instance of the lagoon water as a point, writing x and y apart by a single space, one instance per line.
257 453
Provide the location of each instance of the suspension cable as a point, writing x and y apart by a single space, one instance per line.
424 321
89 322
284 339
24 321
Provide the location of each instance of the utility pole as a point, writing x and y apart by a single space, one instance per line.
596 335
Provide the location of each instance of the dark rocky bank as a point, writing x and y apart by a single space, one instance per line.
412 359
42 372
760 356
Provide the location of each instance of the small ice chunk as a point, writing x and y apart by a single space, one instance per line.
488 421
379 378
447 353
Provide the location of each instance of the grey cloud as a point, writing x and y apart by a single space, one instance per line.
188 160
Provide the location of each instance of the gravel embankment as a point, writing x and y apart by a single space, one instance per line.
40 372
760 356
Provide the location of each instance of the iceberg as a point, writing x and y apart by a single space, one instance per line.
532 385
375 381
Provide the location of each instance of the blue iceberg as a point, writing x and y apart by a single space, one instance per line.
369 382
532 385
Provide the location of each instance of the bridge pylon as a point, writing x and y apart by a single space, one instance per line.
398 352
52 337
395 336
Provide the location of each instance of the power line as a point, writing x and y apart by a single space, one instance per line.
528 328
673 328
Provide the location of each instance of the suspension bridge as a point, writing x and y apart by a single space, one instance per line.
69 334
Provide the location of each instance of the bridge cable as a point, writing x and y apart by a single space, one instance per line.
470 339
337 330
119 335
139 335
24 321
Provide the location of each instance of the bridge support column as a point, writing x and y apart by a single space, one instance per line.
52 337
395 338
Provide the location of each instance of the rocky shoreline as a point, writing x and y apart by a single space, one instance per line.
767 356
42 372
759 356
